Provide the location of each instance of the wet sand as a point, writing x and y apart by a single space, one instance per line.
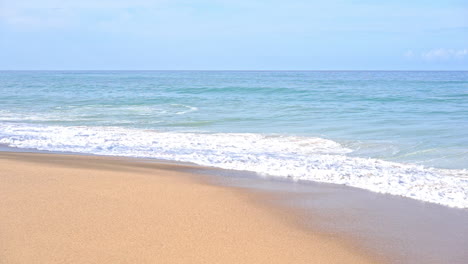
87 209
398 229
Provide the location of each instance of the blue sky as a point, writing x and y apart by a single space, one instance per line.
234 34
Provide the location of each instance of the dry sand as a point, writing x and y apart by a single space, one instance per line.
83 209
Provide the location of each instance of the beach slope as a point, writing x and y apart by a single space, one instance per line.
83 209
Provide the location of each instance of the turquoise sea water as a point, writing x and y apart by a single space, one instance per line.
384 131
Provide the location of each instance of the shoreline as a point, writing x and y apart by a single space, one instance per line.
394 228
300 158
388 228
75 208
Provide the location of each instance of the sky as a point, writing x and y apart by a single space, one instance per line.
233 35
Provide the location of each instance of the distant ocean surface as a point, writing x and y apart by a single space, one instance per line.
402 133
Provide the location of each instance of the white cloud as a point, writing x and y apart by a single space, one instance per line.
409 54
61 13
33 18
21 4
444 54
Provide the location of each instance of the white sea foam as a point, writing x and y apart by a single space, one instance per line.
76 113
298 158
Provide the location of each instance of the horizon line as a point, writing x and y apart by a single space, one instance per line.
234 70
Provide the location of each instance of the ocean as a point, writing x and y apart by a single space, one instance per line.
395 132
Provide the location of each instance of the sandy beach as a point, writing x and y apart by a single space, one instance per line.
86 209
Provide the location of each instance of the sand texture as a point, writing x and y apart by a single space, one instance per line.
83 209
